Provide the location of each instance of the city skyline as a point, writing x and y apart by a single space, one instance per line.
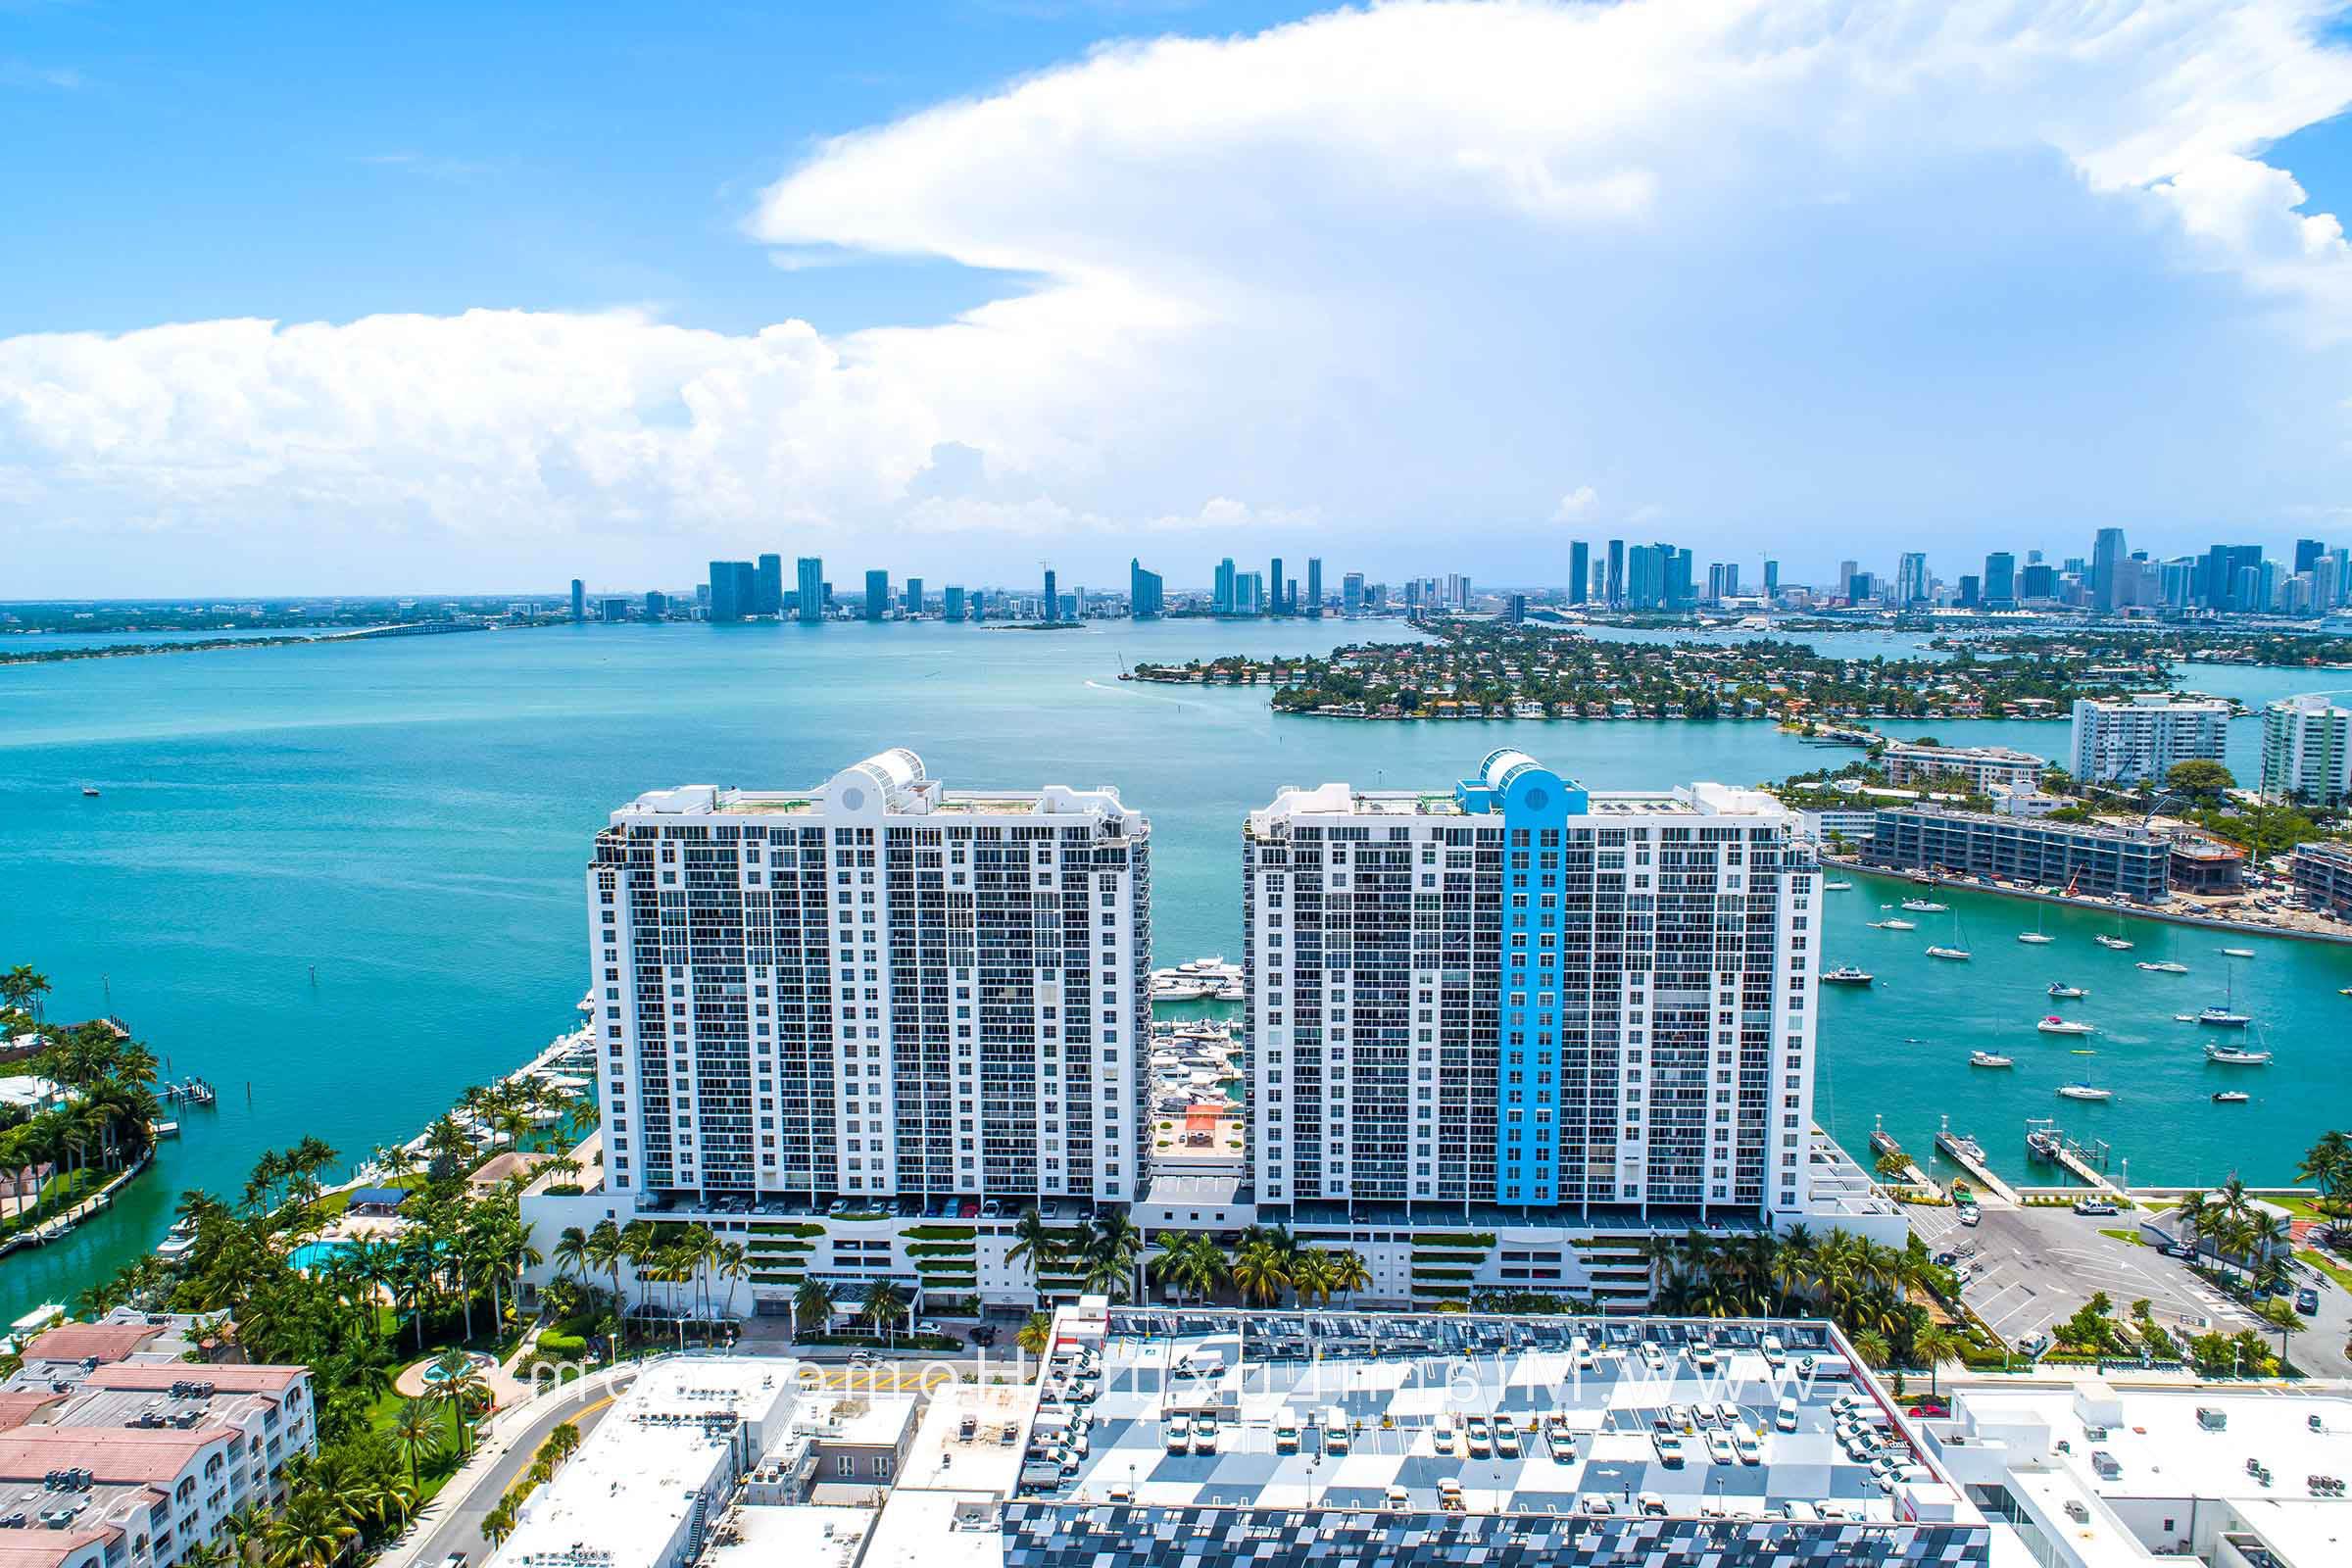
1008 281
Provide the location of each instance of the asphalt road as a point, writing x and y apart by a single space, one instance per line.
2027 1268
461 1529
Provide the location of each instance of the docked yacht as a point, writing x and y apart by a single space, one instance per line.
1846 974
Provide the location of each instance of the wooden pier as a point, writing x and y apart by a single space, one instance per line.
1961 1152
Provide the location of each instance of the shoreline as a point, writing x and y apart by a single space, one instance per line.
2137 912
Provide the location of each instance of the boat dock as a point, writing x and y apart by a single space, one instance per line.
191 1089
1882 1142
2046 1140
1969 1154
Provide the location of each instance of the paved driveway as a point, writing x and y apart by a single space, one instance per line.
2023 1269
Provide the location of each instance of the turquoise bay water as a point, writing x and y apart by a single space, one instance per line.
345 882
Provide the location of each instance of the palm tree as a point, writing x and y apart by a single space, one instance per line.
813 1301
417 1430
1310 1276
1260 1273
1036 1336
1936 1345
499 1523
457 1385
1034 1240
1112 1252
604 1252
734 1265
1349 1272
885 1304
310 1531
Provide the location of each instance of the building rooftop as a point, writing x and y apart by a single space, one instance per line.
80 1342
1343 800
653 1464
1622 1395
891 782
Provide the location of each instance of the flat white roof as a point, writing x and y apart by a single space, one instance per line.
622 1500
800 1535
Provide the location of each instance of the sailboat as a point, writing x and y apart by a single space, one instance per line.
2118 943
2037 936
1959 949
2226 1016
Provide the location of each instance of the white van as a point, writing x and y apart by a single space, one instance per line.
1286 1431
1785 1418
1800 1511
1335 1431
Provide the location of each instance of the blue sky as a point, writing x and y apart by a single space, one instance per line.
304 299
301 162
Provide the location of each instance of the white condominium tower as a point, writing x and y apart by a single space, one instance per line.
1526 995
877 986
2127 742
2307 751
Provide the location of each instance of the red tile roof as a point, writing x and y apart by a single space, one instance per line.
126 1454
161 1375
76 1342
17 1409
46 1548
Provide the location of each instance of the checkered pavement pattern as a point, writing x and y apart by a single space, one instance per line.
1393 1408
1045 1536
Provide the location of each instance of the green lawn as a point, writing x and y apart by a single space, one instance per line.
58 1194
2328 1266
2124 1236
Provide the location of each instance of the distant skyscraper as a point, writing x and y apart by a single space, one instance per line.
950 603
2107 557
579 600
1516 611
1580 571
767 596
810 602
1221 600
1052 596
1846 578
1772 579
1351 594
2308 553
1314 587
732 588
913 602
1911 578
877 595
1681 592
1250 594
1971 590
2000 579
1616 593
657 604
1274 586
1144 599
2039 580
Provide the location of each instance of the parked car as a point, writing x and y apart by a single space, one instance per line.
2307 1302
985 1334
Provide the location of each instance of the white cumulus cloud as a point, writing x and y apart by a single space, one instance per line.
1810 270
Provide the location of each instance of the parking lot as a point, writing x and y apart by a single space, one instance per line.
2023 1269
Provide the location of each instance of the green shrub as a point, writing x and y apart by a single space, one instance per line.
554 1346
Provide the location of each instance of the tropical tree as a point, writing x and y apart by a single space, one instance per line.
1260 1272
1032 1243
885 1307
417 1430
812 1302
1934 1344
457 1384
1036 1336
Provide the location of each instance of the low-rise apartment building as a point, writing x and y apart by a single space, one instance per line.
2086 858
1980 768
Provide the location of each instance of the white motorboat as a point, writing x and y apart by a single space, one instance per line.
2232 1097
1846 974
1900 925
1925 906
2055 1025
2084 1092
1986 1059
1957 953
2034 936
2065 992
2116 943
2237 952
1838 887
2162 966
2236 1056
